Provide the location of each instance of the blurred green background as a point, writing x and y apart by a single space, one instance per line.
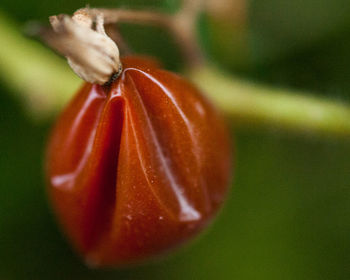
288 214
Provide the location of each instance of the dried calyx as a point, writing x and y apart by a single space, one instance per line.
82 39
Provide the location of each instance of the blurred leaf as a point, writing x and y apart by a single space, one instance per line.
282 26
322 68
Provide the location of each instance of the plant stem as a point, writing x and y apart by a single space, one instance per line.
245 103
182 25
42 80
45 82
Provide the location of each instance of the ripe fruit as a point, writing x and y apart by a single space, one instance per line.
137 167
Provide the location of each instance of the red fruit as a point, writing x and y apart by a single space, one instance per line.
138 167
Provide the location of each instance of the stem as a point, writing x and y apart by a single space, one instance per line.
134 16
182 25
33 72
185 33
44 82
94 56
245 104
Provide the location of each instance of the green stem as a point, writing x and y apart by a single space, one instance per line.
44 82
246 103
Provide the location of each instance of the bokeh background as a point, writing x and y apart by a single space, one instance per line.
288 214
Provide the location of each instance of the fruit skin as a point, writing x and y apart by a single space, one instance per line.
138 167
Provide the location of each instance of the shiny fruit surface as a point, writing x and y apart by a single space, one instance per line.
137 167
